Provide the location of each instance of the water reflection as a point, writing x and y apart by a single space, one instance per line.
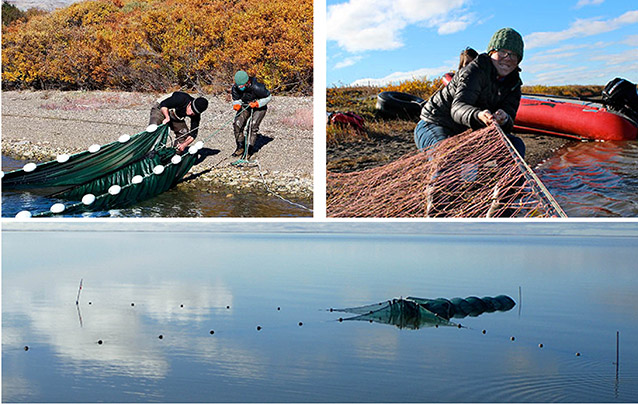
594 179
579 290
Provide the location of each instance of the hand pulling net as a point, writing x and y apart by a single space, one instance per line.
474 174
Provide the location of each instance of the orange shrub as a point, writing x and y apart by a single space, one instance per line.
423 88
161 44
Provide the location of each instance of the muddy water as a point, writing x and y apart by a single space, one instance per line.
178 202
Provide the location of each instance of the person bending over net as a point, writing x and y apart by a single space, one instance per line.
486 90
174 109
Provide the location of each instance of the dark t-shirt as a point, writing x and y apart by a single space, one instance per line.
176 105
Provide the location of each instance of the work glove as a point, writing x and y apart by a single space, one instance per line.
254 104
237 107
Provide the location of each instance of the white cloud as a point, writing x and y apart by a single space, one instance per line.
363 25
624 59
451 27
583 3
596 67
544 67
631 40
348 62
398 77
580 28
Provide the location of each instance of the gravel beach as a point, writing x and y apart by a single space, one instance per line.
39 125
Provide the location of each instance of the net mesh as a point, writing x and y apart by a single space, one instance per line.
474 174
87 166
414 312
151 184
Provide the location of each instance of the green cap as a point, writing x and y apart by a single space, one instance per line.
507 38
241 78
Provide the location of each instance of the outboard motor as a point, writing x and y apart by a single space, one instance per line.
622 97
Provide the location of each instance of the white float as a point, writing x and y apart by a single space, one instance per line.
63 158
137 179
1 174
88 199
124 138
115 189
158 169
25 214
151 128
192 150
199 145
94 148
29 167
57 208
176 159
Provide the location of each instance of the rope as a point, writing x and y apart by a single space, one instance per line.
263 180
255 163
528 172
247 163
241 161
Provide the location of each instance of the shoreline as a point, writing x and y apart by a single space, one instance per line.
39 125
376 151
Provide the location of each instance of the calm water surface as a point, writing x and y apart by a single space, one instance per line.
575 294
173 203
594 179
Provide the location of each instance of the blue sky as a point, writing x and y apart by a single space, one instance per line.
566 41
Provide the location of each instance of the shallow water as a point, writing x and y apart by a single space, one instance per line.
594 179
173 203
576 292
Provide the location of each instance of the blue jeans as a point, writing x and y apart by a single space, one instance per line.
427 134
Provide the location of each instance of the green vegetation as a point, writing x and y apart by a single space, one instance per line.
10 13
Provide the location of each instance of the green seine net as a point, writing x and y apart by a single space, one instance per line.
414 312
86 166
151 185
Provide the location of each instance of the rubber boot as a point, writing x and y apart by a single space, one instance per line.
251 151
239 150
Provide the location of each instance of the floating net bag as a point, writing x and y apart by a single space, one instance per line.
474 174
414 312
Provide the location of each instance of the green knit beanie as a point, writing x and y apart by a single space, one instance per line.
507 38
241 78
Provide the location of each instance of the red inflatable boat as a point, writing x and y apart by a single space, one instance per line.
572 118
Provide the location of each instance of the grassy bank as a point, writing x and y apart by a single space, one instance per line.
362 101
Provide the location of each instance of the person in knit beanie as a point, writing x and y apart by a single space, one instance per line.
487 91
250 99
174 109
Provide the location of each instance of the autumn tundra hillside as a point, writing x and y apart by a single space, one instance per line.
154 45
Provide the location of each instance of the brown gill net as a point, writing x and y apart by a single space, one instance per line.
474 174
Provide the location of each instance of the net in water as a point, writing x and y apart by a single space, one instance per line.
415 312
86 166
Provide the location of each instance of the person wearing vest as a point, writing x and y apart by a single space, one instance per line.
174 109
249 95
487 90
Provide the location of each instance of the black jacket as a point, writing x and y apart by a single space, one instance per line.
176 105
256 91
474 88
